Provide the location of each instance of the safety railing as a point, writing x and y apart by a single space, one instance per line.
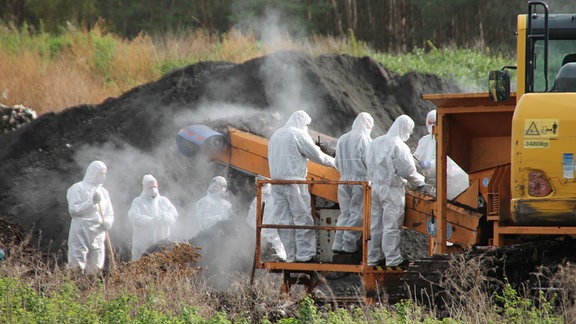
365 228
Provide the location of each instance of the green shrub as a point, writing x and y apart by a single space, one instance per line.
516 309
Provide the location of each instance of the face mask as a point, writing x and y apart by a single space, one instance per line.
153 192
429 125
100 178
221 192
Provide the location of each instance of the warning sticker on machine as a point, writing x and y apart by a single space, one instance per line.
542 128
536 143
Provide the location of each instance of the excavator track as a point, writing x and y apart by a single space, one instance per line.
431 281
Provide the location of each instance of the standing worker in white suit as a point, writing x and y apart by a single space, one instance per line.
92 215
289 149
425 153
151 215
351 163
390 167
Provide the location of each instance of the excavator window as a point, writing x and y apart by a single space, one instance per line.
560 51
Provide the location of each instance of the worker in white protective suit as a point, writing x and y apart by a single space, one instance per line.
214 207
151 216
390 166
425 154
289 150
351 162
269 235
92 215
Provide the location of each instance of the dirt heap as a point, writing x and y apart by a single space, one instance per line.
134 134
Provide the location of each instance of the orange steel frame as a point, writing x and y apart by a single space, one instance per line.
476 133
373 277
249 152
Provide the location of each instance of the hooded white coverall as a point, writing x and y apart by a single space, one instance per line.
390 166
151 216
92 215
351 163
269 235
214 207
457 178
289 149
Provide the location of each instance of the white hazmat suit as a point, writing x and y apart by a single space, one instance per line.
151 216
92 215
390 166
425 153
289 149
269 235
214 207
351 163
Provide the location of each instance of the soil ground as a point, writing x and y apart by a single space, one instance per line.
134 134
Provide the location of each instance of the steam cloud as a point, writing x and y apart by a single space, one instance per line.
185 180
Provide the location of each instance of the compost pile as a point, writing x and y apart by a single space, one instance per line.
134 134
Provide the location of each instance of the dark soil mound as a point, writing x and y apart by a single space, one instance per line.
134 133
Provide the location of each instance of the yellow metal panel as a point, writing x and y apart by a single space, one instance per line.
521 56
544 139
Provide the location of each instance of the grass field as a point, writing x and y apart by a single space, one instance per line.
50 73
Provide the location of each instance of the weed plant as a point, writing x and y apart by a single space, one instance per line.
167 287
78 66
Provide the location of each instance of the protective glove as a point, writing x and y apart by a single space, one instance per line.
425 164
331 162
96 198
105 226
421 186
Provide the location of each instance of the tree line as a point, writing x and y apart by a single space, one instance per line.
387 25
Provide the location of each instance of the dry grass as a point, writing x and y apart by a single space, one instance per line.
468 290
49 73
563 284
171 275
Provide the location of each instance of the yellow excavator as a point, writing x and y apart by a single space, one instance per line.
516 146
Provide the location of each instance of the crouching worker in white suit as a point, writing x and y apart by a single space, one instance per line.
425 153
92 215
151 215
214 206
390 167
269 235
